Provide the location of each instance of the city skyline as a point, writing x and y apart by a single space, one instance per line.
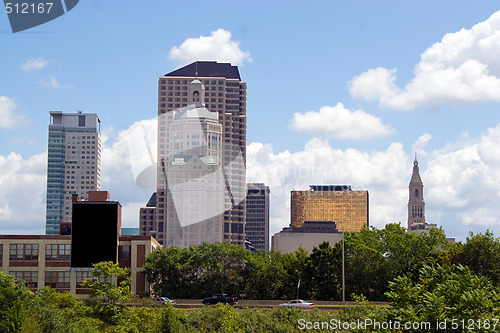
347 97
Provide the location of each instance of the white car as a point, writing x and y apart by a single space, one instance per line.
298 303
164 300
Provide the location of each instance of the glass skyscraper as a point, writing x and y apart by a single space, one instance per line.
74 164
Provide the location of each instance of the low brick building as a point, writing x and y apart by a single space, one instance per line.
44 260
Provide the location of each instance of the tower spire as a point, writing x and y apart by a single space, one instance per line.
416 204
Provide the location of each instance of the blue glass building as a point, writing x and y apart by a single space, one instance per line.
74 164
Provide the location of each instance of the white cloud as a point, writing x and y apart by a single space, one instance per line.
130 214
384 174
7 116
468 179
22 194
121 164
218 46
419 146
463 67
34 64
339 122
23 184
462 185
50 83
133 152
374 84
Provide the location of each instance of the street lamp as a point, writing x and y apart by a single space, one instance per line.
343 264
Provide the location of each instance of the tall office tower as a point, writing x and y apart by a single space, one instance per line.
74 164
257 215
194 174
219 87
416 204
337 204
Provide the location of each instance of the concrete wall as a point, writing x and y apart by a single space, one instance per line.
287 242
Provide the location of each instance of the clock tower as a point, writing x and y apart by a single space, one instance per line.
416 204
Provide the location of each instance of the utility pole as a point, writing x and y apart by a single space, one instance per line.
343 264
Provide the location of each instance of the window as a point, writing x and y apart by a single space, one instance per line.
23 251
82 276
57 252
81 121
126 251
31 278
57 279
1 252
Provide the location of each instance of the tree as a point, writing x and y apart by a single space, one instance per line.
324 273
375 256
197 271
265 276
444 293
109 284
16 303
167 272
481 253
221 267
103 283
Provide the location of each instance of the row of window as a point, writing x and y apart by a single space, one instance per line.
205 82
53 252
30 252
54 279
84 137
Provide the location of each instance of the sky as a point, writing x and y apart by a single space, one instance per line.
338 92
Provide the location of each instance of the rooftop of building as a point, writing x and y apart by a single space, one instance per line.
330 188
314 227
152 201
207 69
68 238
77 113
423 226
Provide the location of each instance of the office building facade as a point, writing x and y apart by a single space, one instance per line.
74 159
337 204
214 95
257 216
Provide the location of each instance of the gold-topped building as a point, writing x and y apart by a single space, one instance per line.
339 204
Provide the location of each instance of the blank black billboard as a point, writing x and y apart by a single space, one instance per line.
94 234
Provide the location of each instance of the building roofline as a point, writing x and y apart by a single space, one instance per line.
207 69
48 237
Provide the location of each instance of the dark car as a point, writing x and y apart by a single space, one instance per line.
220 298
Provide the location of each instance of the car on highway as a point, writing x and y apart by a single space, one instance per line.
298 303
164 300
220 298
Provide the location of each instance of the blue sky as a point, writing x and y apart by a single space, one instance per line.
339 92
